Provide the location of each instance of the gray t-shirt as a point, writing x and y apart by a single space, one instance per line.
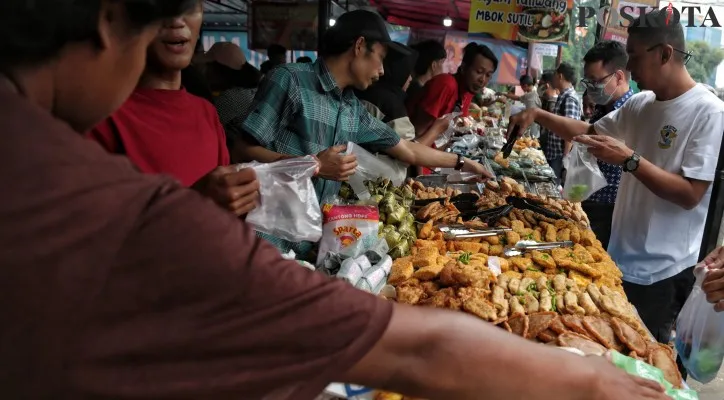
531 100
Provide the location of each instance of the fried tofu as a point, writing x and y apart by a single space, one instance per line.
401 270
425 257
430 272
409 294
496 250
467 246
511 238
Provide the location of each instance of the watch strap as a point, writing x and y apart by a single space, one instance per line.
460 163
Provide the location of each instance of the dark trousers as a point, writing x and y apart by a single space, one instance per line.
557 166
659 304
600 215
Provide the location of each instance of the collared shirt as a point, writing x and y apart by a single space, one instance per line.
612 173
568 105
299 110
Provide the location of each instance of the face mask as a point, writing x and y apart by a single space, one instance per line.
598 94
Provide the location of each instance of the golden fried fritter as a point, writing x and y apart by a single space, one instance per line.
400 271
496 250
551 234
512 237
563 235
430 272
522 264
543 260
481 308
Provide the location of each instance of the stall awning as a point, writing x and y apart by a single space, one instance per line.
426 14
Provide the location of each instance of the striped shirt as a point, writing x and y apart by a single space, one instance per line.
568 105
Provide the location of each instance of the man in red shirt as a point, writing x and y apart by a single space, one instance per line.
122 285
447 93
162 128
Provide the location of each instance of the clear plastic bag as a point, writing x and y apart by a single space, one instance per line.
288 208
583 177
700 333
371 167
445 137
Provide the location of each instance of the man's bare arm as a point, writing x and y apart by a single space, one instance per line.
684 192
439 354
565 128
424 156
245 149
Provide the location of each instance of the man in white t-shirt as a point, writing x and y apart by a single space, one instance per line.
667 140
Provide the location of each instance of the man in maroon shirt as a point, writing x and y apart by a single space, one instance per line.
162 128
118 284
446 93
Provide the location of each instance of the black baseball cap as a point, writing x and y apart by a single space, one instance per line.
351 25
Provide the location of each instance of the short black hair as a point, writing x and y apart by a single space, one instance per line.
526 80
334 45
473 49
611 53
33 32
546 77
428 52
304 59
276 50
659 27
568 72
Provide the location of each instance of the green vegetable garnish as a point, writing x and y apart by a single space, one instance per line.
465 257
561 271
532 269
553 302
546 256
532 287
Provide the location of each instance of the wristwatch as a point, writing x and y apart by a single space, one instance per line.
632 163
461 162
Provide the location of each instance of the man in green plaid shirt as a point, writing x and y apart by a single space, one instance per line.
310 109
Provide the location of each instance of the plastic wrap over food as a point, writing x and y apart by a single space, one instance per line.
449 132
289 208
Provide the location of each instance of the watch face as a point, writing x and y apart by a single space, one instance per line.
631 164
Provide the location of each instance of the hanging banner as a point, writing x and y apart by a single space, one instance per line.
523 20
511 58
616 25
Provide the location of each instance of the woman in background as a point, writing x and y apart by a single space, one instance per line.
430 58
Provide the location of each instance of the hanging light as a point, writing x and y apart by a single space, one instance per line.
447 21
332 21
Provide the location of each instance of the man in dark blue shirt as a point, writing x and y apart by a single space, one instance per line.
606 82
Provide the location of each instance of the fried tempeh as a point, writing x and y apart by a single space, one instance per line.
519 324
538 322
602 331
580 342
629 337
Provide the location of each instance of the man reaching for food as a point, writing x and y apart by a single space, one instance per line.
311 109
667 141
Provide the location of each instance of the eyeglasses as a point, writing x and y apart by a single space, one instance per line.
592 84
687 55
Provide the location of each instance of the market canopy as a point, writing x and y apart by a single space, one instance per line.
425 15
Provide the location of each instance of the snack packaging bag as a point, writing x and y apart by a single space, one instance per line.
348 229
700 333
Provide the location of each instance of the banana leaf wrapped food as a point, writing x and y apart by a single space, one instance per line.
393 238
396 215
401 250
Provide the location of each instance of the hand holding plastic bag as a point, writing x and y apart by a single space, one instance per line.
370 167
583 177
700 333
288 208
445 137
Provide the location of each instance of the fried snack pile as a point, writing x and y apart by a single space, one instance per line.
526 142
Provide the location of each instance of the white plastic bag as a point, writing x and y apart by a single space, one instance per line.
583 177
371 167
700 333
288 208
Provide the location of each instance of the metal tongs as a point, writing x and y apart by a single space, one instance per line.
508 148
456 231
529 245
